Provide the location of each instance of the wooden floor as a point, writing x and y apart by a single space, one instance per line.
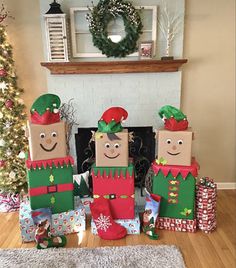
217 249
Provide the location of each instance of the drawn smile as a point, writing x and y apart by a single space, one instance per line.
48 150
112 157
172 153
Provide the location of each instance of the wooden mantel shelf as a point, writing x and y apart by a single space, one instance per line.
109 67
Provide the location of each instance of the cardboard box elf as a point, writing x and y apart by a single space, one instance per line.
49 167
113 176
173 174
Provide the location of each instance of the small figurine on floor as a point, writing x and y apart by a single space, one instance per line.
106 227
42 219
150 215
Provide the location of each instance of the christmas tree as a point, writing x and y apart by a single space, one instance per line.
12 120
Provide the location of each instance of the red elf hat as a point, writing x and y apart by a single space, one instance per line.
173 118
44 110
111 120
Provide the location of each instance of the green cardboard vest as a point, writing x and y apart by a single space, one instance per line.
176 185
51 184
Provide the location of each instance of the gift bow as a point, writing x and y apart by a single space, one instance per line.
206 181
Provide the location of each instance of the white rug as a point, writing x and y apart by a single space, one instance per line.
112 257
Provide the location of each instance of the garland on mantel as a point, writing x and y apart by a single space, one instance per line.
102 14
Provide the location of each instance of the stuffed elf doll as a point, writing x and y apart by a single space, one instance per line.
150 215
173 118
43 238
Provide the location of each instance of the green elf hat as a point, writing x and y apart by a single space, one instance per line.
111 120
44 110
174 119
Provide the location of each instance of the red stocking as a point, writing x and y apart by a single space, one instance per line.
106 227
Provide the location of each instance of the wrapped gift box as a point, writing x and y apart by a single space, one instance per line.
132 225
72 221
117 185
176 186
85 202
51 184
180 225
206 207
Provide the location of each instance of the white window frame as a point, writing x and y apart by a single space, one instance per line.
77 54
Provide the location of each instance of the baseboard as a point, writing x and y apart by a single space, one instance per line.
226 185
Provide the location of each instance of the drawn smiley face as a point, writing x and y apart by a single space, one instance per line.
112 149
174 147
48 140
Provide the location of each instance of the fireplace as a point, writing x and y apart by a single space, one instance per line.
141 151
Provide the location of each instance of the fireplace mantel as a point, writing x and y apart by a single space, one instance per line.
109 67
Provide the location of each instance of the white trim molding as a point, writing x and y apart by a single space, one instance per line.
226 185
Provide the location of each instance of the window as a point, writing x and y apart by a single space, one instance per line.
82 44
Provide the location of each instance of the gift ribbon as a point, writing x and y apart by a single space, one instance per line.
56 188
207 182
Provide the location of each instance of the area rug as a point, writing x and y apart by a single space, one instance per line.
104 257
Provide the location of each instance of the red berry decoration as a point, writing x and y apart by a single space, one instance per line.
9 104
3 73
2 163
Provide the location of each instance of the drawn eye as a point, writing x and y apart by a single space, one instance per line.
42 135
168 141
54 134
107 145
116 145
180 142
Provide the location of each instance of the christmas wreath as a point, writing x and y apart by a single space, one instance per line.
102 14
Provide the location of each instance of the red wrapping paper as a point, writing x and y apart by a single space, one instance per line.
206 208
175 170
180 225
120 186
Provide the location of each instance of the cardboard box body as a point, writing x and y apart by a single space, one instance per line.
111 149
51 184
175 146
47 141
117 185
176 186
68 222
132 225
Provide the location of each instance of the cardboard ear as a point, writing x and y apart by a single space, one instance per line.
131 136
27 130
156 134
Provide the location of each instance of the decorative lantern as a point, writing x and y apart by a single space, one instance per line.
56 38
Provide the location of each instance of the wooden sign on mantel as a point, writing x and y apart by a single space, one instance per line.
109 67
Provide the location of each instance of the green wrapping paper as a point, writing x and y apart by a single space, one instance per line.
51 184
176 186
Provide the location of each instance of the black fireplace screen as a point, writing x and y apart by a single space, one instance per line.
142 150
